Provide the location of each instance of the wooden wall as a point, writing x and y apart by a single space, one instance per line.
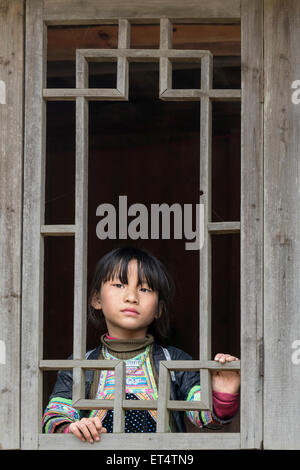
11 142
281 221
281 225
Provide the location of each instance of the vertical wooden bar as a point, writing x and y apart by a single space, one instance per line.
282 225
33 219
165 66
119 396
205 252
251 224
123 66
124 34
78 391
81 213
166 34
11 182
163 397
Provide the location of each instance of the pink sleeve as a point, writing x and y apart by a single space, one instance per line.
225 404
66 431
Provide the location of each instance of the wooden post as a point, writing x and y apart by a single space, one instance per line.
282 225
11 146
251 411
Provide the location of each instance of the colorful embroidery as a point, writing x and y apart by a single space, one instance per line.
198 418
140 382
59 410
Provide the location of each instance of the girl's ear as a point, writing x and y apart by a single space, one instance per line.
160 309
96 301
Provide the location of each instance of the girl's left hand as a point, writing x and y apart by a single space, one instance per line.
226 381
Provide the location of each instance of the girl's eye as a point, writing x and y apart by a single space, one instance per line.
145 289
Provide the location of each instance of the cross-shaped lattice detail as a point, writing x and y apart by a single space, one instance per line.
165 55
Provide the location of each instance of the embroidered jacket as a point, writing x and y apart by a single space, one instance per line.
185 385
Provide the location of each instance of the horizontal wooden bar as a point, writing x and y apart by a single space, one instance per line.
184 55
182 405
141 441
224 227
113 21
83 404
69 364
139 404
196 94
226 94
58 230
109 365
196 365
95 11
95 94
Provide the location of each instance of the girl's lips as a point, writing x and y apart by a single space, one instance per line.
130 312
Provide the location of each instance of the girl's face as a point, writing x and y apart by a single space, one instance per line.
128 308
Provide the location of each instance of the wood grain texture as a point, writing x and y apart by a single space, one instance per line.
282 225
205 260
78 11
138 441
33 218
251 224
11 167
34 206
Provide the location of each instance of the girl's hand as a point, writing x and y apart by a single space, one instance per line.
226 381
87 429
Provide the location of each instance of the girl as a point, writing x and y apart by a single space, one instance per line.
130 296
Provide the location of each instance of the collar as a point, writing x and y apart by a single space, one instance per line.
127 345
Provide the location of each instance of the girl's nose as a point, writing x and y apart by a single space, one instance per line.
131 295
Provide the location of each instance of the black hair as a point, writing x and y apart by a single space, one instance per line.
150 270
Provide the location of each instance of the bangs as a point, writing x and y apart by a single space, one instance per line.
118 268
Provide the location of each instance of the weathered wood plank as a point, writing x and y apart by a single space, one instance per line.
123 65
184 55
282 226
97 94
83 404
33 219
166 34
11 148
138 441
251 224
224 227
119 394
109 365
68 364
205 330
81 214
182 405
163 414
194 95
58 230
71 11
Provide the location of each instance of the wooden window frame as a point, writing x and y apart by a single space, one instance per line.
39 15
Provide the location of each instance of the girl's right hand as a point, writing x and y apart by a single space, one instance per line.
87 429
